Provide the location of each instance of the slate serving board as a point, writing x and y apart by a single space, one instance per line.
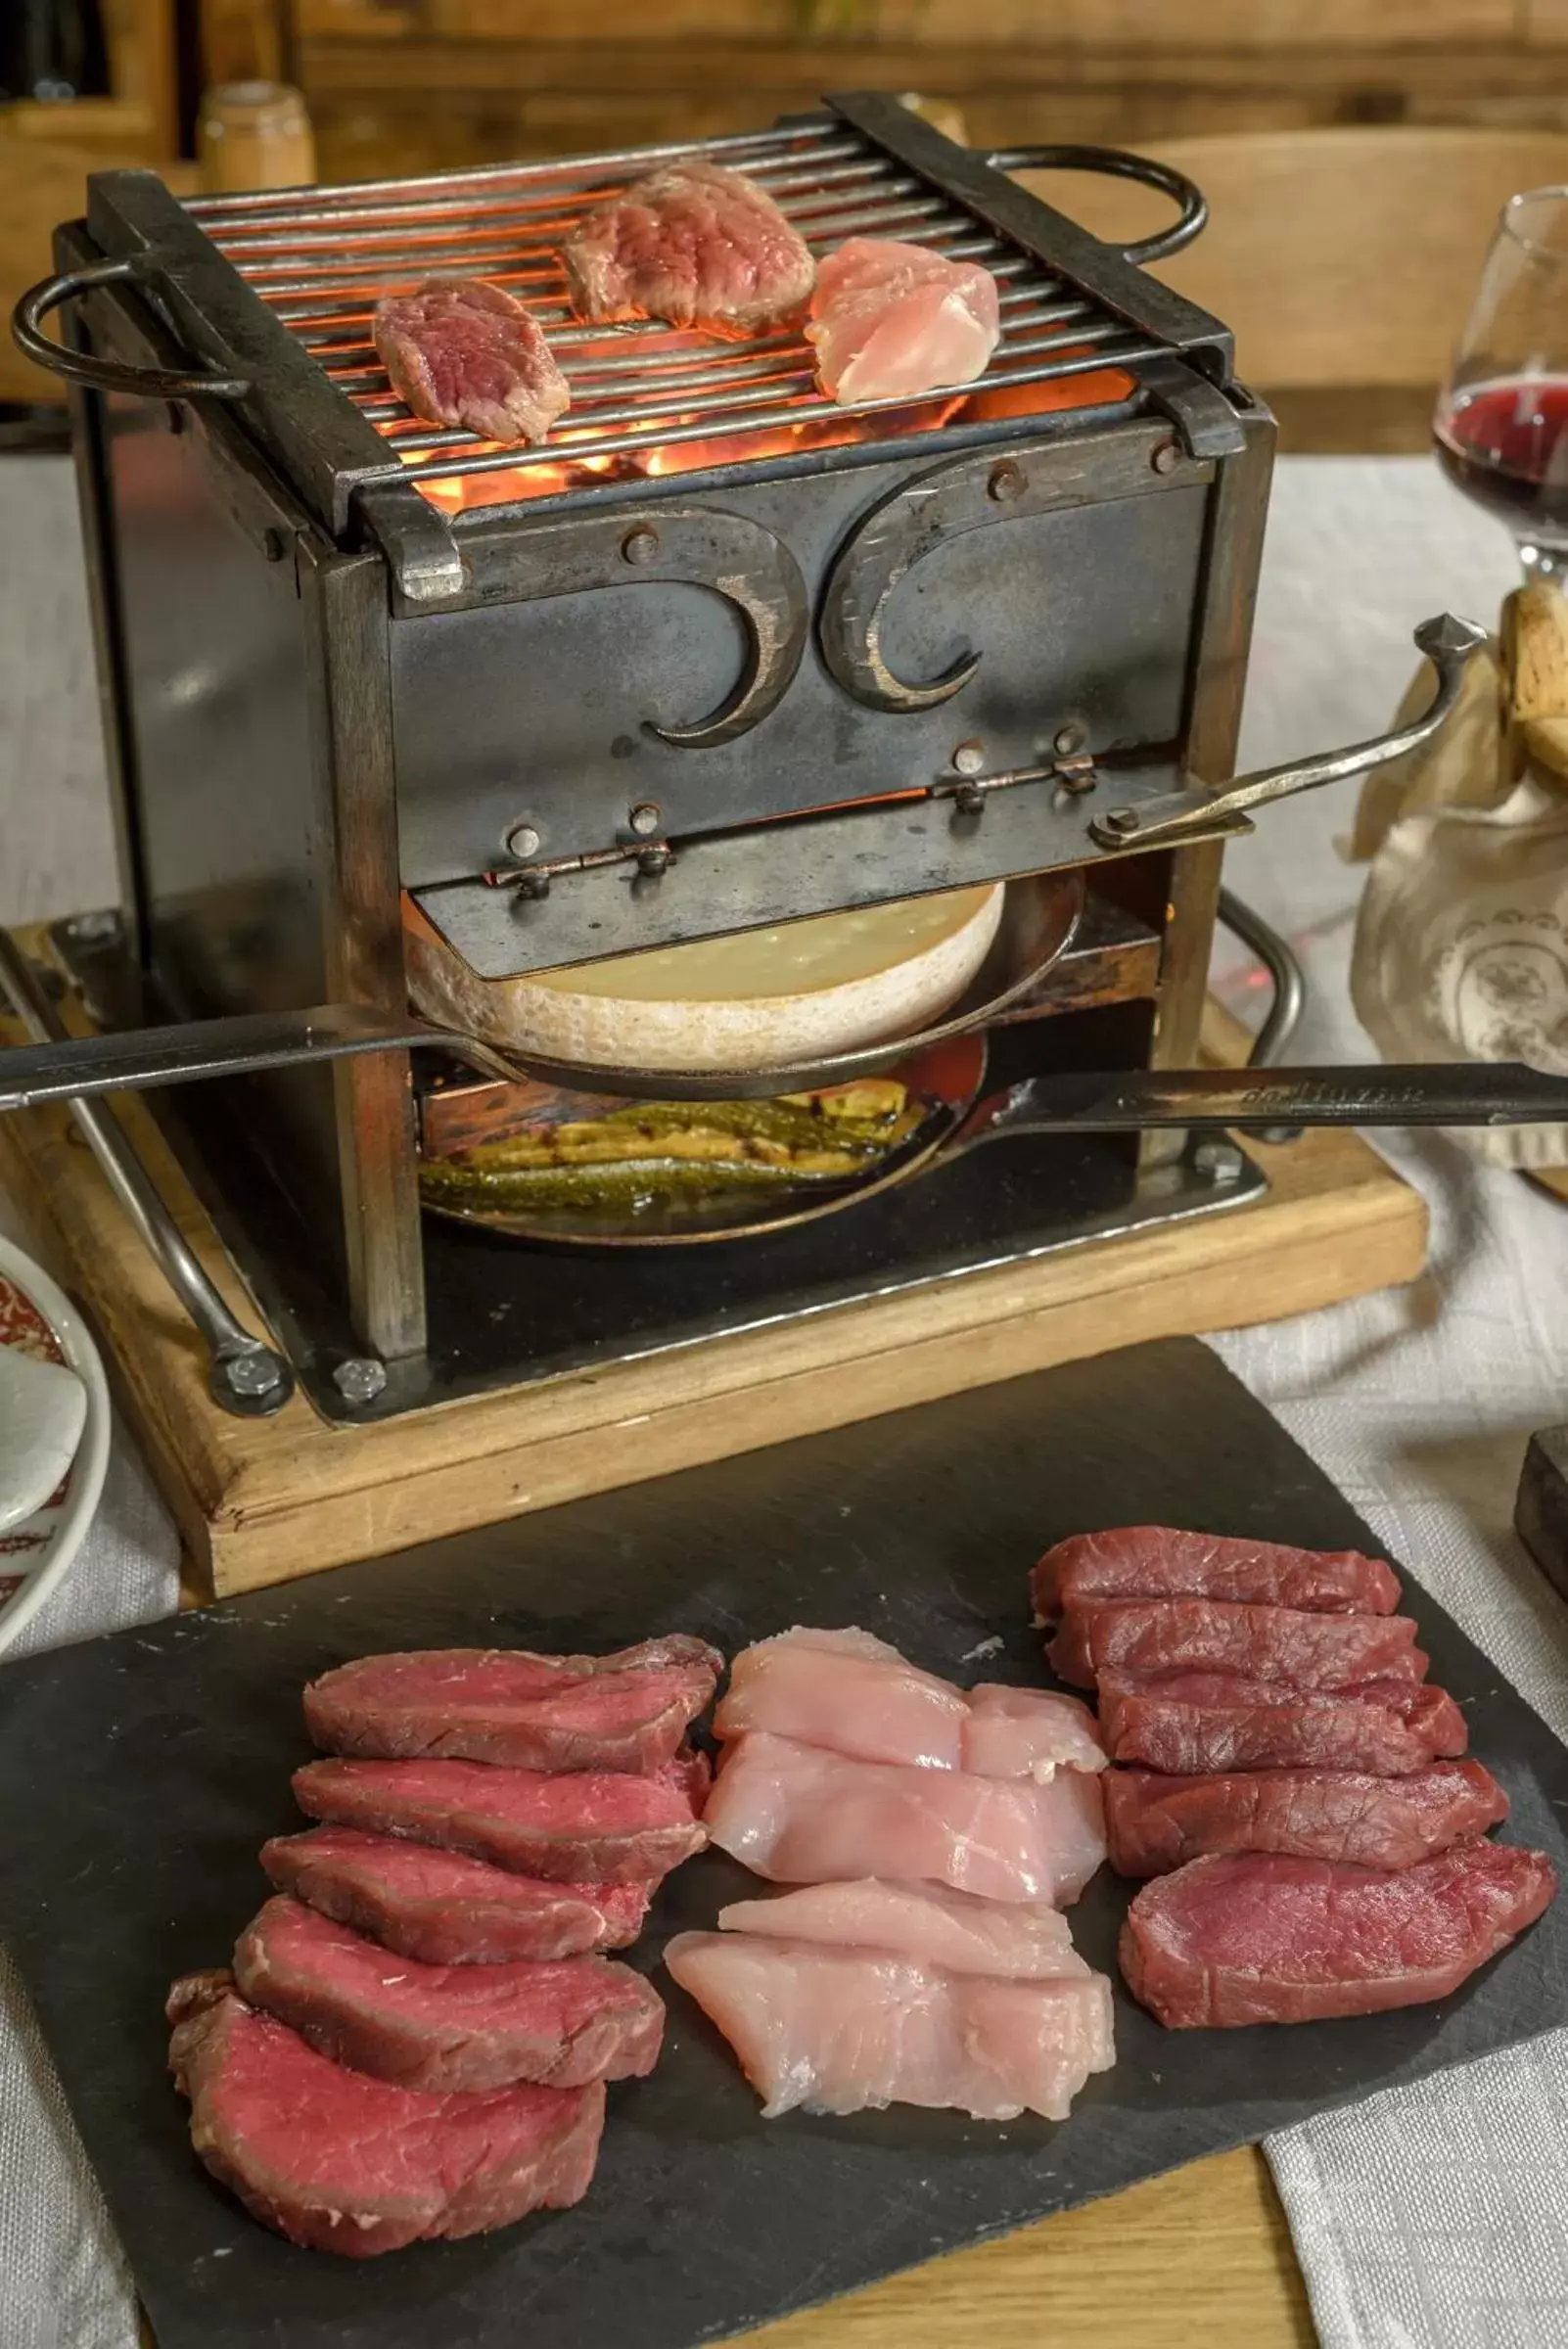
141 1771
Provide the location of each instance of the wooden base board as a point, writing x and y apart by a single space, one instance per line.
259 1501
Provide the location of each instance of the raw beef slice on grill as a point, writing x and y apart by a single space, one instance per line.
844 2029
1261 1939
1160 1561
890 321
802 1816
693 244
341 2162
591 1826
1147 1636
628 1711
1155 1823
1207 1720
852 1693
1010 1940
461 352
446 2027
443 1908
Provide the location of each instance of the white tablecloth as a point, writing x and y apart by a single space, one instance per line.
1433 2217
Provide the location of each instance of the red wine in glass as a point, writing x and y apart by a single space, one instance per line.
1505 445
1501 423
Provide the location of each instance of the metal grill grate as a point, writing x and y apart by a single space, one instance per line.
322 259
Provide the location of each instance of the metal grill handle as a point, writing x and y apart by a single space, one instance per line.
105 375
1116 160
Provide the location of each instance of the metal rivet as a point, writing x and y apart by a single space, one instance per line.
1217 1161
1167 457
1005 482
639 545
653 861
522 841
969 758
361 1379
273 545
1071 737
646 816
1122 820
253 1373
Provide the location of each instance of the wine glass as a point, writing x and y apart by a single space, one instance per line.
1502 422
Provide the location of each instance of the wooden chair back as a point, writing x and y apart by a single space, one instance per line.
1344 260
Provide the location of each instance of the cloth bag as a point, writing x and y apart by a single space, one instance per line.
1461 940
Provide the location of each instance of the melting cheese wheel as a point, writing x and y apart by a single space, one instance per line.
754 1000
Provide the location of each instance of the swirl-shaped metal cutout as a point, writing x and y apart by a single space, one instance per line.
991 484
648 547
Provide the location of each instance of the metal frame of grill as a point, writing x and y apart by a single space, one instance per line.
293 642
270 291
320 266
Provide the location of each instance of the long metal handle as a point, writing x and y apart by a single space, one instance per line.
85 367
1195 212
244 1375
1448 642
1133 1101
73 1067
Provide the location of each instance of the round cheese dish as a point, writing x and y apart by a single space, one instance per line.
754 1000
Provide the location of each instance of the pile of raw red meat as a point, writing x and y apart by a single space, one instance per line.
1288 1779
702 248
936 1834
414 2037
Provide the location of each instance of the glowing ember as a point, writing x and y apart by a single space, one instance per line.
821 426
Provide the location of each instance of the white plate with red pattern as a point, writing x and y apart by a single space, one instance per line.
37 1319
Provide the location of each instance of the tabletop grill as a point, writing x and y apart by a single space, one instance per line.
719 654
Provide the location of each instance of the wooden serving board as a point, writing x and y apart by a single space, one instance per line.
261 1500
144 1769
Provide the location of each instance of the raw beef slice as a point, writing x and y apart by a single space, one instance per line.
446 2027
851 1693
628 1711
801 1815
593 1826
443 1908
461 352
1007 1939
341 2162
693 244
1207 1720
1155 1823
1147 1636
842 2030
890 321
1160 1561
1262 1939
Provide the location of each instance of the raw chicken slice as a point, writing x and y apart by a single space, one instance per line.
1160 1561
1206 1721
1145 1635
800 1816
693 244
628 1711
842 2030
1028 1733
1005 1939
1260 1939
852 1694
462 353
1156 1824
892 321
